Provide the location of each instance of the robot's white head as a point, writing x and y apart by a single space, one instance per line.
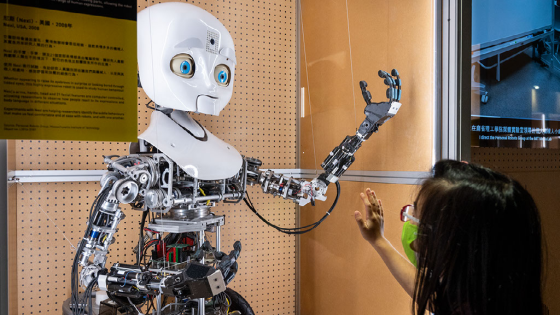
186 58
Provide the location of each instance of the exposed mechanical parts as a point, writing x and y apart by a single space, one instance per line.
182 264
192 282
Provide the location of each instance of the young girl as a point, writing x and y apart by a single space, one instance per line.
473 242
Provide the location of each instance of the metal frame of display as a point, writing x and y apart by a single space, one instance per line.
4 298
384 177
455 22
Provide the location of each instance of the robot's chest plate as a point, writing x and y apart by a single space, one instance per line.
205 158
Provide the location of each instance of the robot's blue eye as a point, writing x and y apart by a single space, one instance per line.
185 67
222 77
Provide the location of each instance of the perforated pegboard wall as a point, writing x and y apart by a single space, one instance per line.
517 160
260 121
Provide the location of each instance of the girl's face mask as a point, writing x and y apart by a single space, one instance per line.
409 235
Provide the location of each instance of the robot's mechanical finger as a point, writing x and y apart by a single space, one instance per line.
226 262
365 93
237 245
233 269
389 81
231 273
219 255
237 250
394 72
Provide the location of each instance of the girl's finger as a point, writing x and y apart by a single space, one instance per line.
371 196
359 219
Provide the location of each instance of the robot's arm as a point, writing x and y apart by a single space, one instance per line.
340 158
121 184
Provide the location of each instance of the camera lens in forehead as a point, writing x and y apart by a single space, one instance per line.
212 41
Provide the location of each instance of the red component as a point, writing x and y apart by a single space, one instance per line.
186 240
159 249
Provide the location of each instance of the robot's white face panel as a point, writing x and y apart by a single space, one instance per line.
186 58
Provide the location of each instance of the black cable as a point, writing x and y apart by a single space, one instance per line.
141 240
302 227
150 306
298 230
88 296
145 250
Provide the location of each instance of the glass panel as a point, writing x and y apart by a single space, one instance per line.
515 74
344 42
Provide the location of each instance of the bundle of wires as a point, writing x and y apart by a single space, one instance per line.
78 302
141 240
298 230
221 301
87 296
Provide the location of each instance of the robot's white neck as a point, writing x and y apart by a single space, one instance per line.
184 120
193 148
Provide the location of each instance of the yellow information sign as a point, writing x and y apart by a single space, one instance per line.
69 70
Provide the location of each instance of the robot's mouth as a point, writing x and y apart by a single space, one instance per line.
206 104
210 96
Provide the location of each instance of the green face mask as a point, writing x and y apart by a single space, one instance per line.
409 235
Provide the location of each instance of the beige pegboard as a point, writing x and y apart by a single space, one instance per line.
51 218
517 160
260 121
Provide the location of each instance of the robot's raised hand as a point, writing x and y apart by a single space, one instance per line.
341 157
378 113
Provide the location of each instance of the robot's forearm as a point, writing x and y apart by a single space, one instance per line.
287 187
340 158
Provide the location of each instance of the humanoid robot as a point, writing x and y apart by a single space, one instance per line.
178 171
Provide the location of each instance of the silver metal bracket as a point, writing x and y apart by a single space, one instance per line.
176 226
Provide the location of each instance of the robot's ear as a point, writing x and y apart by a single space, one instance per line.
139 84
